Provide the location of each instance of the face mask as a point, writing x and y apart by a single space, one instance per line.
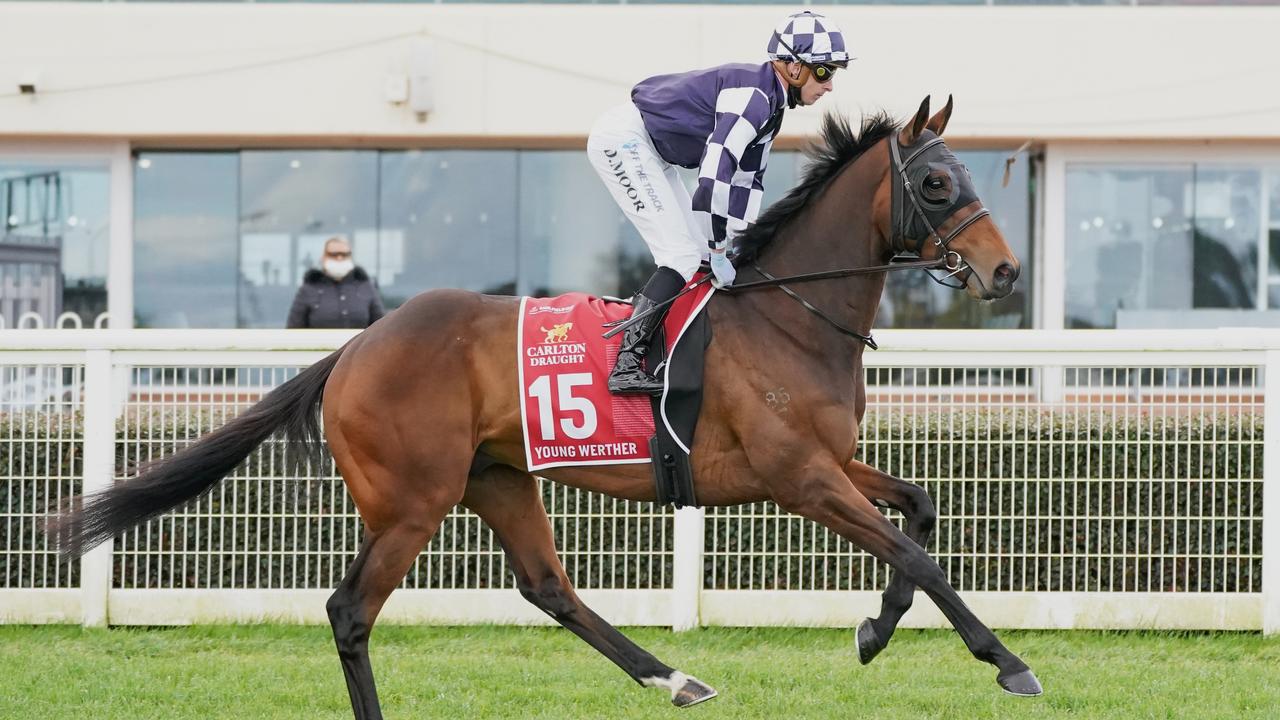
338 269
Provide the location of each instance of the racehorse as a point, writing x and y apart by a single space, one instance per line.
422 411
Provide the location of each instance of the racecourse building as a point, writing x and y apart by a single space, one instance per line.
180 165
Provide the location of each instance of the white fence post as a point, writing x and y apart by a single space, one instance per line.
99 465
1271 497
1052 384
686 580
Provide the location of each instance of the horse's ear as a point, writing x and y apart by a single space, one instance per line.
938 122
913 129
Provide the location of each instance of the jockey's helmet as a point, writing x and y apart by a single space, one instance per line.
810 38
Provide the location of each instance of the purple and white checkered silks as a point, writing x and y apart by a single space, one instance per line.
814 38
731 174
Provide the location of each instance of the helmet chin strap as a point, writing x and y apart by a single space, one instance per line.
793 84
793 97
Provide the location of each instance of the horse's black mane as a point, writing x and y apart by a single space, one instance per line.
840 146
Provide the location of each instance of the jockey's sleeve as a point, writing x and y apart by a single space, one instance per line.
731 174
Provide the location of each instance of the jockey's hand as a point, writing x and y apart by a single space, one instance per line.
722 268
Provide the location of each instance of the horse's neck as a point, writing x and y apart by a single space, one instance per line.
837 231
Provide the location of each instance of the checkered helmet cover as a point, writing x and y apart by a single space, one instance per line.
815 38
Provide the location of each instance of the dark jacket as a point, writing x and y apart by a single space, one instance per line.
322 302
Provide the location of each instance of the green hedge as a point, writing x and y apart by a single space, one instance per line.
41 461
1147 503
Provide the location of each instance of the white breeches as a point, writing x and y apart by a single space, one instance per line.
647 188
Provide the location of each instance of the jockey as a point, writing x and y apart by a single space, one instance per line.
721 120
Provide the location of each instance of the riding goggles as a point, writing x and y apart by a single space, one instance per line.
822 72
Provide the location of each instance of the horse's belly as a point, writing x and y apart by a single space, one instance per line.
629 482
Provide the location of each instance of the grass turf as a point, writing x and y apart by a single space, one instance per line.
502 672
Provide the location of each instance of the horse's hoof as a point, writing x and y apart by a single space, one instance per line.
685 690
693 692
869 644
1022 684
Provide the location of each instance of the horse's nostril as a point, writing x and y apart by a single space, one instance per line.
1005 274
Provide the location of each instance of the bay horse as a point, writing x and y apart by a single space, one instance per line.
422 411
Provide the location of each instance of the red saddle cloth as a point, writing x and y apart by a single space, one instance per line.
569 416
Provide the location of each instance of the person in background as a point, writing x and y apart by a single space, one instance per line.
338 294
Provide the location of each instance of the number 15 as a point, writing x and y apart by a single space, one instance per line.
540 390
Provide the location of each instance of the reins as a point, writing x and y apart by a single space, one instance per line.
941 263
771 281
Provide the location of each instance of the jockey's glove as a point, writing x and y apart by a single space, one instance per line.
722 268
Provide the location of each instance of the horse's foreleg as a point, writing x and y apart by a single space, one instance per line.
917 510
832 500
509 501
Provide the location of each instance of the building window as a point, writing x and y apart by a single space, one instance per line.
573 236
290 203
223 238
447 220
1229 236
54 235
186 240
1145 244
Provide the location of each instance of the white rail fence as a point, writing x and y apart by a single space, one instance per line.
1083 479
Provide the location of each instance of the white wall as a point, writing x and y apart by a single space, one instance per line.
1062 72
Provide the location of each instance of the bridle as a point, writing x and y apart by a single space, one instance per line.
943 227
951 226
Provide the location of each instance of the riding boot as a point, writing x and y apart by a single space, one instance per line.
628 375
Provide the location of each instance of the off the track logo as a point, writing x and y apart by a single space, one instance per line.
633 149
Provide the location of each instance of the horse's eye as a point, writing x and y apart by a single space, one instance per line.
936 189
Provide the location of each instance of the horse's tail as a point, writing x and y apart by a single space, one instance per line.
169 482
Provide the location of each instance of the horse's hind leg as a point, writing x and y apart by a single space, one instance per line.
509 501
829 498
380 565
917 509
391 544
